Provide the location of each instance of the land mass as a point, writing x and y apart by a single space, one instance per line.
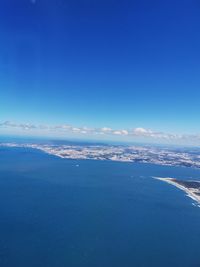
192 188
124 153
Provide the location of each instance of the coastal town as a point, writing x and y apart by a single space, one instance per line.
188 157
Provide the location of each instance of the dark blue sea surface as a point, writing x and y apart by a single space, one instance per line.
68 213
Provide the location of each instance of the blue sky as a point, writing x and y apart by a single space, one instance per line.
118 64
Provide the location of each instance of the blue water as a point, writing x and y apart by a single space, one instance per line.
100 214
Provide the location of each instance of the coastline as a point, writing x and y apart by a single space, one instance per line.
119 153
190 192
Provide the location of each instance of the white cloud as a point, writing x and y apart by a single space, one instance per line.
120 132
106 129
66 128
124 132
141 131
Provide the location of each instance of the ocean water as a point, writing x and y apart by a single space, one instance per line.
54 213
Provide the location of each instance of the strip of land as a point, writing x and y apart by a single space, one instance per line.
123 153
192 188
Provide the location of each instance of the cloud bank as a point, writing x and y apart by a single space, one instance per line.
105 131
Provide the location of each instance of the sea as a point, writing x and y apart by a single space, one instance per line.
84 213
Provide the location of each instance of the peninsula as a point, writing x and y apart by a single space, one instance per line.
168 156
192 188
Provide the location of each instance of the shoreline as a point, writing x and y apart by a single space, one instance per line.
190 192
113 153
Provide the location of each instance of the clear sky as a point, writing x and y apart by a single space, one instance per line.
118 64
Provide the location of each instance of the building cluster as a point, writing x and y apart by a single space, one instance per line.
143 154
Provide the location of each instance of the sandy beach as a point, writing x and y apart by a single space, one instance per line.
190 192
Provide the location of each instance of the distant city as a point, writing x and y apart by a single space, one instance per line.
187 157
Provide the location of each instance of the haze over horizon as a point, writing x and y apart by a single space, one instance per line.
118 70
